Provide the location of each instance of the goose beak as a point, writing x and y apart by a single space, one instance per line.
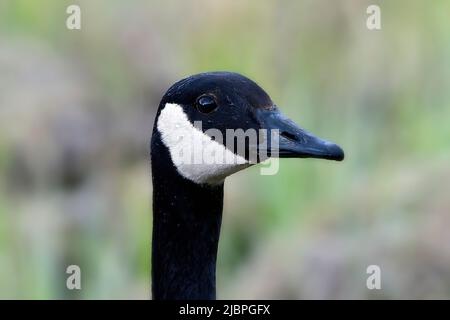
293 141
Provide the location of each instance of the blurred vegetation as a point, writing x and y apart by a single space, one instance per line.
76 114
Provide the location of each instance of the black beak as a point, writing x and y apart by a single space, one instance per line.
293 141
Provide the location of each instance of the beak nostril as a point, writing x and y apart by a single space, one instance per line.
289 136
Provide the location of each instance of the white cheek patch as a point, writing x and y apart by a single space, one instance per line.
196 156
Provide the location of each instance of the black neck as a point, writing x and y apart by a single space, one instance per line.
186 228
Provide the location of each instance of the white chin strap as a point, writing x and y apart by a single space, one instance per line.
194 154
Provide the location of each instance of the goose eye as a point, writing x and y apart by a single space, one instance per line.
206 104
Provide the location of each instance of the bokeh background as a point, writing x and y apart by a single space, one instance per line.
76 114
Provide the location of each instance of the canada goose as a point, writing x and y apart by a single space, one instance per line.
188 196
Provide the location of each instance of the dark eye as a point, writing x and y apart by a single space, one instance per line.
206 104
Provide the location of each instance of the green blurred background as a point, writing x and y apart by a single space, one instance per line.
76 114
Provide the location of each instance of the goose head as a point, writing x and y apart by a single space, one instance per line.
217 123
